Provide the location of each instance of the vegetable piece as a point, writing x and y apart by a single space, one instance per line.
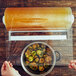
39 52
27 62
30 58
34 46
37 45
37 59
41 68
41 55
30 47
44 50
39 48
33 66
41 60
35 56
49 51
45 55
42 46
45 65
33 53
48 59
27 53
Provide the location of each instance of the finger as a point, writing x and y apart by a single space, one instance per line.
7 65
73 61
10 64
69 65
3 68
74 66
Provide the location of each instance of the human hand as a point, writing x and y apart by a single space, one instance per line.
8 70
72 64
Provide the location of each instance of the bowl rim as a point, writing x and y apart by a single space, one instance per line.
54 61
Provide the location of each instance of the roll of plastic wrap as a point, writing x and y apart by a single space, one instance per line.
38 18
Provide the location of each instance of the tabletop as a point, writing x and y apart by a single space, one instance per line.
58 70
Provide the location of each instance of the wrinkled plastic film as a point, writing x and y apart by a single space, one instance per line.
38 18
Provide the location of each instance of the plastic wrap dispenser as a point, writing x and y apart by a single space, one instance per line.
38 19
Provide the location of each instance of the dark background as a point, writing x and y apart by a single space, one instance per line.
57 71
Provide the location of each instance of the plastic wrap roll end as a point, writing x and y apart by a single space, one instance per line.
72 19
3 19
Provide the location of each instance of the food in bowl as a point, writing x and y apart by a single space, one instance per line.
38 58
